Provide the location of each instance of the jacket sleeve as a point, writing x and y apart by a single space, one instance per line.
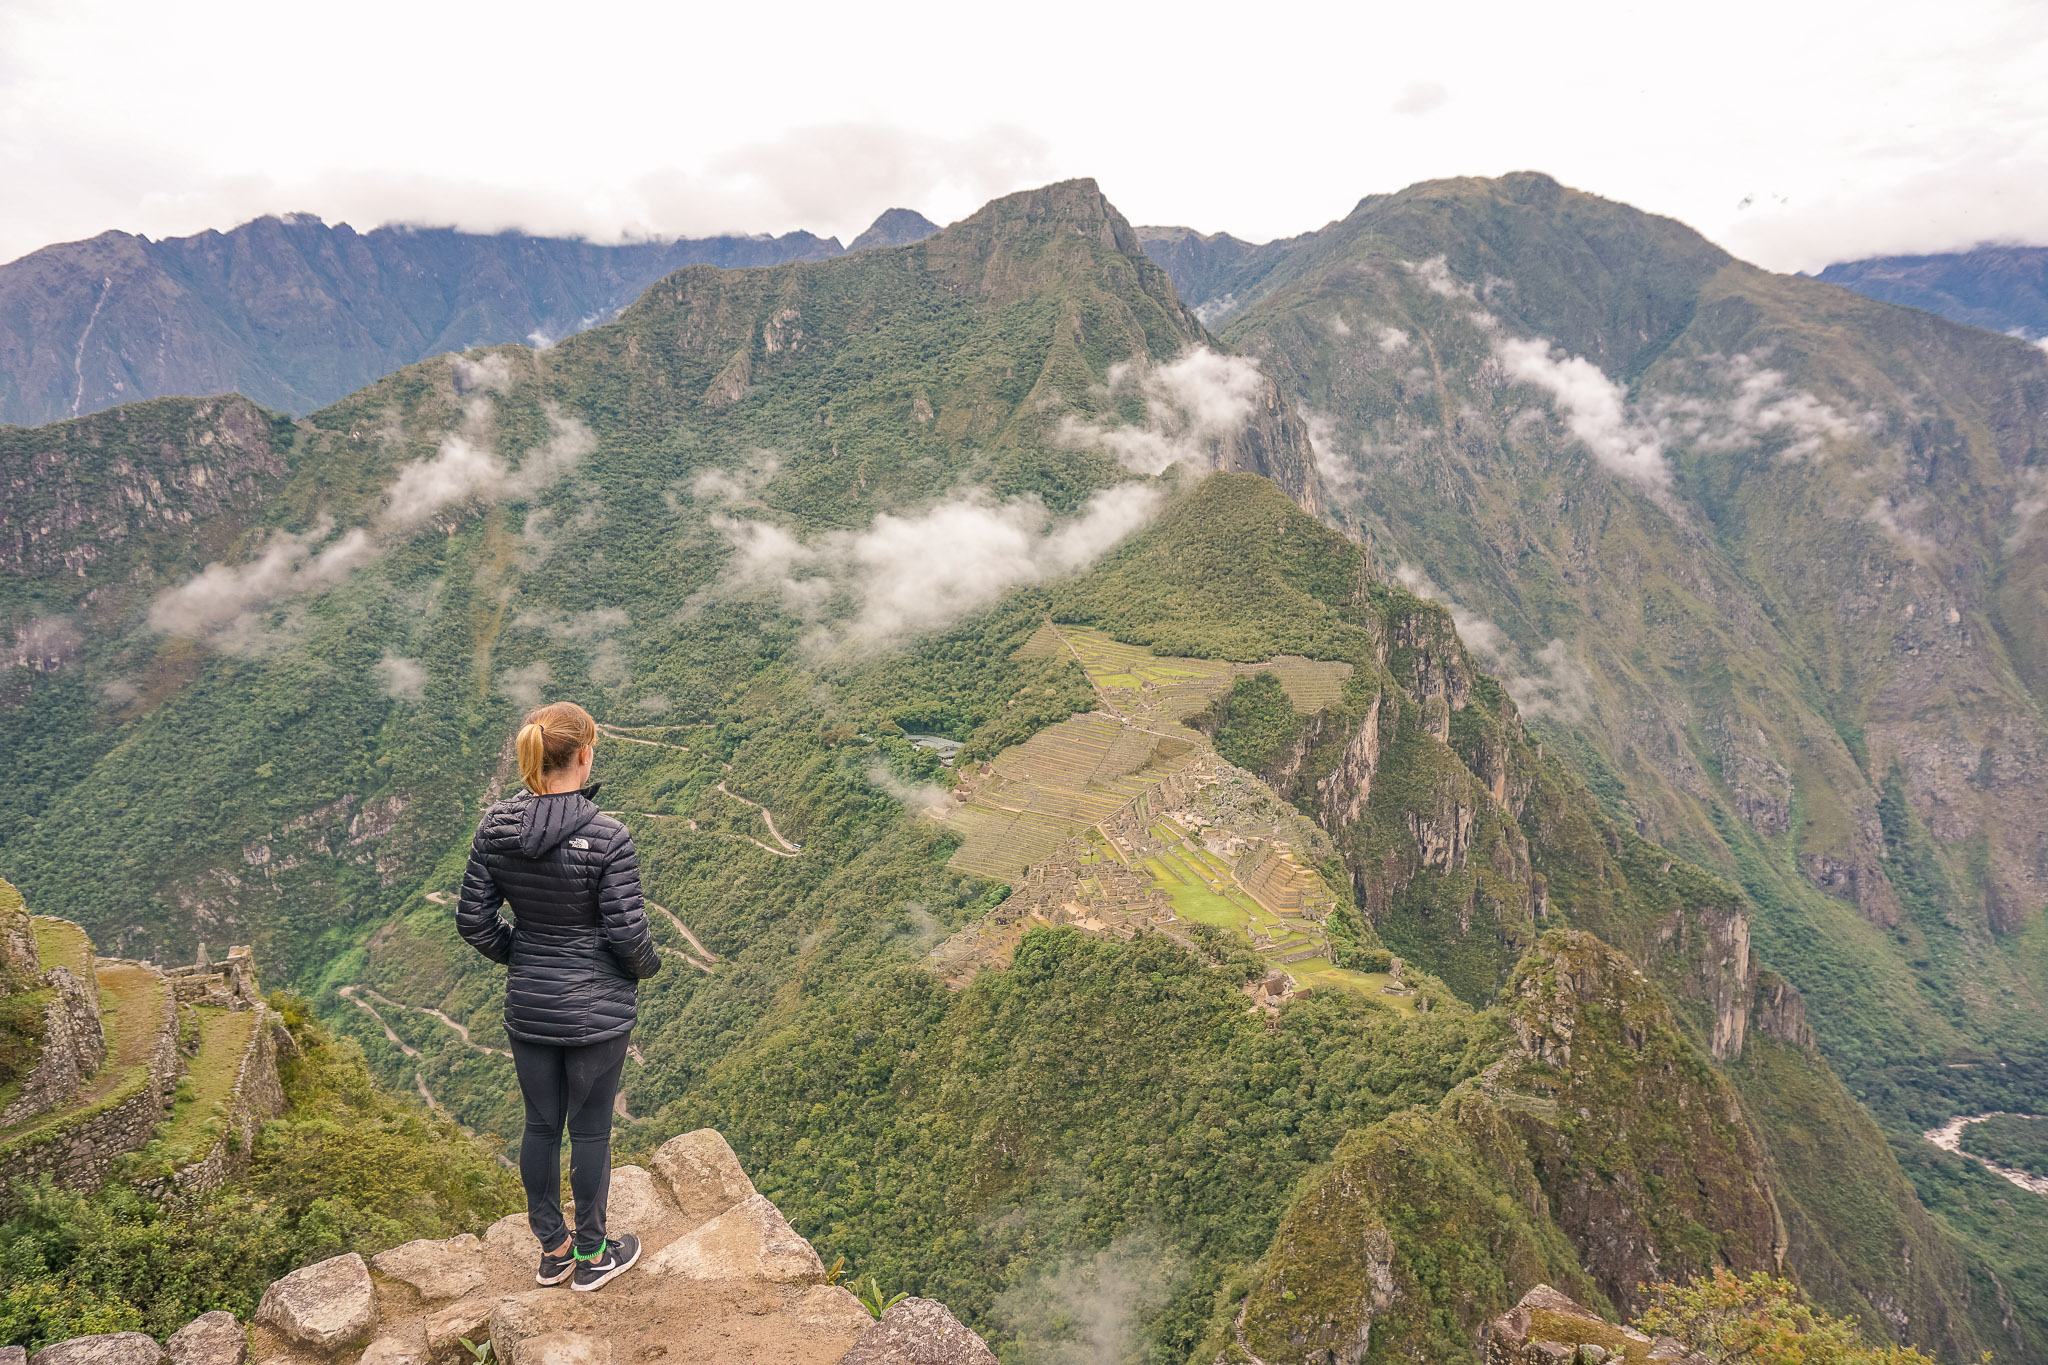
476 912
623 911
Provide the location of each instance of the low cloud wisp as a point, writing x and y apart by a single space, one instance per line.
905 574
1594 409
228 605
1194 404
1552 683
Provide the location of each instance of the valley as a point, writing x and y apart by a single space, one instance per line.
1105 790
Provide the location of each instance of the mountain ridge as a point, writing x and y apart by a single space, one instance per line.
295 313
2000 287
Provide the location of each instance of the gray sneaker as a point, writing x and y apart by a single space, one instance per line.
613 1259
555 1269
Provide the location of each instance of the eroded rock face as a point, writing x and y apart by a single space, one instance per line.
398 1348
702 1174
327 1305
919 1332
751 1242
437 1269
111 1348
1549 1328
526 1330
209 1339
833 1308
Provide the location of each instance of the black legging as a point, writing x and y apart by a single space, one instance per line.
570 1087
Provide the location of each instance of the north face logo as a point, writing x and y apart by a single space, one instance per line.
579 843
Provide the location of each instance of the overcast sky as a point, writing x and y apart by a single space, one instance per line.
1793 133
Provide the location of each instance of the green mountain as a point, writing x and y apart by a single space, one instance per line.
1078 866
294 313
1763 555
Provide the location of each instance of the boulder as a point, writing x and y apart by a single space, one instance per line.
919 1332
562 1348
832 1308
751 1242
396 1348
13 1355
437 1269
1549 1328
446 1326
327 1305
519 1317
512 1239
702 1174
210 1339
109 1348
638 1203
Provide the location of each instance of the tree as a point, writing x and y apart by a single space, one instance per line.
1761 1320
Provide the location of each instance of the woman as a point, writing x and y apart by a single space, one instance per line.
577 943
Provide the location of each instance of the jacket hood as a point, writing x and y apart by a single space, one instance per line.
549 820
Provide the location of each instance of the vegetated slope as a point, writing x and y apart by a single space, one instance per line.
1105 1116
2004 288
686 518
1766 555
252 766
1215 272
294 313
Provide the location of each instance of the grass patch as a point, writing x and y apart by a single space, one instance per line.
200 1109
60 943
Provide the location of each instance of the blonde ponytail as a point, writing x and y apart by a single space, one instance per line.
550 740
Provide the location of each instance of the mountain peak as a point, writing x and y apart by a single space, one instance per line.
896 227
1072 205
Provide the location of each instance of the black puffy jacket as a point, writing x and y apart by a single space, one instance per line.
578 940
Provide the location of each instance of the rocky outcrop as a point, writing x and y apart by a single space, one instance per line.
1405 1243
72 1049
724 1278
110 1348
1780 1011
1549 1328
919 1332
327 1305
1643 1147
209 1339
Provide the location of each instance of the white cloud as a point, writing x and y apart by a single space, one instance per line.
1886 516
736 487
491 371
1911 135
401 678
228 604
1341 476
525 686
1551 683
1423 97
1193 405
1594 409
922 796
595 631
1339 327
1762 404
1435 274
907 574
1392 339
